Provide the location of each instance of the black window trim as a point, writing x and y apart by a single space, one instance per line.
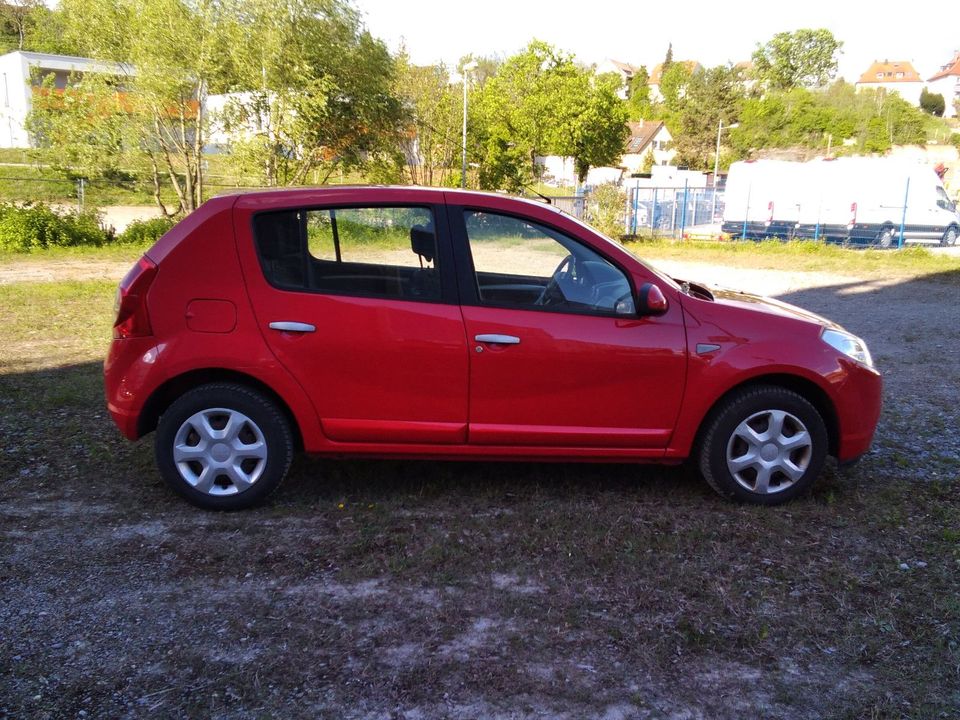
445 261
467 274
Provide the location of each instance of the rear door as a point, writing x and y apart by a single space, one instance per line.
357 300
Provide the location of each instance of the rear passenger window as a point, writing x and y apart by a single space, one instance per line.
376 251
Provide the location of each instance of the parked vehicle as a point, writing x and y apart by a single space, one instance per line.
762 199
852 201
409 322
866 201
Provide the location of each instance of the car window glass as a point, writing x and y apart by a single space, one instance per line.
375 251
519 263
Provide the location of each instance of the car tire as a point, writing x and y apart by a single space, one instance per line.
949 238
885 238
763 445
223 446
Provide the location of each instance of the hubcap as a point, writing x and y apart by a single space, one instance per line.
769 451
220 451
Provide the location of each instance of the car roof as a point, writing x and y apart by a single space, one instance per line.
367 192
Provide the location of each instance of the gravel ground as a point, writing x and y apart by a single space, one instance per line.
421 590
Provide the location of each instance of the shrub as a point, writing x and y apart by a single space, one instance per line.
605 209
36 226
145 232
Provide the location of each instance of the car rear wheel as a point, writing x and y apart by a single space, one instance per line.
223 446
885 238
765 445
949 237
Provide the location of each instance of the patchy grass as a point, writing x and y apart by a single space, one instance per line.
799 255
371 588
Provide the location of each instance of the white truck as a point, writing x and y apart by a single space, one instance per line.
856 200
762 199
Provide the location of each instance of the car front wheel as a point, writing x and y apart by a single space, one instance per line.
764 445
223 446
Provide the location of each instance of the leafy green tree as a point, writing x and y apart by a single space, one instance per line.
710 96
803 58
16 19
639 105
430 141
673 86
668 58
932 103
540 102
648 162
313 91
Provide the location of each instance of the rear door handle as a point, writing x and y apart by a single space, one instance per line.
290 326
495 339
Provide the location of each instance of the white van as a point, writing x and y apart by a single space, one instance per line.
866 201
762 198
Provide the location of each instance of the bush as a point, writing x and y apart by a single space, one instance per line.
605 209
36 226
145 232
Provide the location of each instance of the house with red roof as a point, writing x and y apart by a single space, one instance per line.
946 82
897 76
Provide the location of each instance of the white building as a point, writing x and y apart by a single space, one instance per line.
947 83
21 74
897 76
624 70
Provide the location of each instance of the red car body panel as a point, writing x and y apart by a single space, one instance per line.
400 378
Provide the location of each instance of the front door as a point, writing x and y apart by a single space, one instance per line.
553 361
357 304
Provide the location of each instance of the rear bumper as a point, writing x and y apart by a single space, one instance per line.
130 372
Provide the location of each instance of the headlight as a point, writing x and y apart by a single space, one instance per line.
849 345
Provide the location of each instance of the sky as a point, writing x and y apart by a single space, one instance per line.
637 31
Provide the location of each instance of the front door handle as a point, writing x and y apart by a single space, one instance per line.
495 339
290 326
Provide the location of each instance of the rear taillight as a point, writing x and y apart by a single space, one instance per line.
770 212
132 318
853 214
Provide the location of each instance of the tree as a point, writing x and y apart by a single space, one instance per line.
803 58
932 103
668 59
311 90
594 136
711 96
673 86
430 142
540 102
648 162
16 16
639 106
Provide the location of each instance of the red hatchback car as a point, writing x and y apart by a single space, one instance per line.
430 323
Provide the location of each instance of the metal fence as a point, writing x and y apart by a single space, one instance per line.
673 212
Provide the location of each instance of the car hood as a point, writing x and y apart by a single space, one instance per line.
752 302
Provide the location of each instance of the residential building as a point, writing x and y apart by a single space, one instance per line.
897 76
21 74
624 70
647 136
656 75
947 83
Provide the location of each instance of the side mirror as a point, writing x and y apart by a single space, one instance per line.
651 300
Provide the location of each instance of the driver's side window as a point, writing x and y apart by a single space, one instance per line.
525 265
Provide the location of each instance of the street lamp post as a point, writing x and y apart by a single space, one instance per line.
463 74
716 167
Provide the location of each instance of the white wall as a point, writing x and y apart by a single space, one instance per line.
14 100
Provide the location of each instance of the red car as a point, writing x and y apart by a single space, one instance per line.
431 323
